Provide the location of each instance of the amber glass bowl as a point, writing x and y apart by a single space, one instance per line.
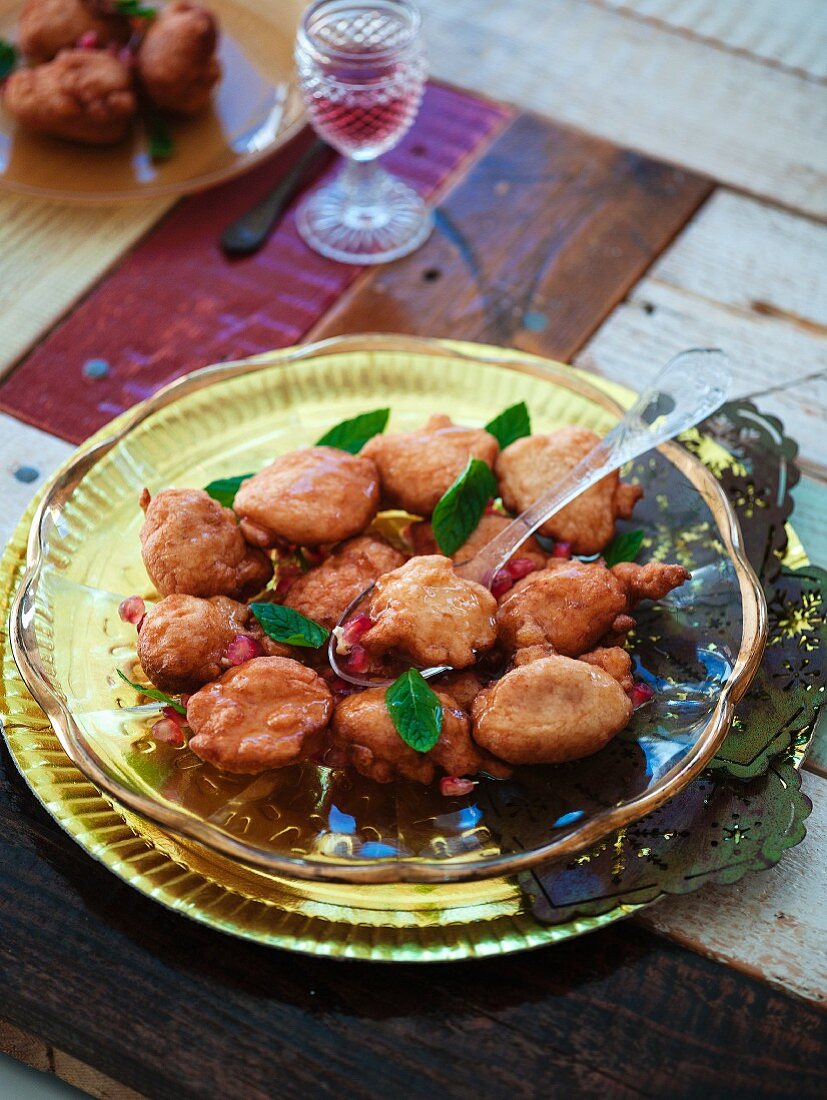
255 109
698 648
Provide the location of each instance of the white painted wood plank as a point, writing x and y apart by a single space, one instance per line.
773 924
729 116
755 257
50 255
659 320
24 451
791 33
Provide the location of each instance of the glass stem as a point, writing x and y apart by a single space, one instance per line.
363 182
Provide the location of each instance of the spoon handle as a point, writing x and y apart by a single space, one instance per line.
690 387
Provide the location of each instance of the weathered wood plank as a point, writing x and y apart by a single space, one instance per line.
584 220
772 925
49 257
27 457
792 34
727 116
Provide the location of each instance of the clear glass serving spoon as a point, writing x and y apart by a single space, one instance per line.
690 387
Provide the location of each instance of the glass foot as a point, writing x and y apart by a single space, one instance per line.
372 227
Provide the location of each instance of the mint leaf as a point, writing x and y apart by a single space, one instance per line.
283 624
224 489
352 435
8 58
625 547
153 693
158 135
513 423
459 511
135 9
415 710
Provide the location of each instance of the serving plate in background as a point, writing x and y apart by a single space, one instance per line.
256 108
698 648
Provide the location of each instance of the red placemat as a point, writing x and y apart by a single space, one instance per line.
177 303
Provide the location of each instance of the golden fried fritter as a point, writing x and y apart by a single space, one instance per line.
427 612
183 640
263 714
83 95
48 26
615 661
491 524
324 593
462 686
310 497
176 60
363 731
191 544
550 710
418 467
531 465
574 605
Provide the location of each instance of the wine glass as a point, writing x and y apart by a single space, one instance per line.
362 69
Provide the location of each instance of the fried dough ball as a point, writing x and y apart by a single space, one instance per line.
550 710
310 497
363 731
264 714
83 95
191 544
324 593
427 612
462 686
417 468
176 60
183 640
48 26
615 661
531 465
572 605
491 524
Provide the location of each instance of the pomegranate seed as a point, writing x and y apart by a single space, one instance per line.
132 610
641 693
354 628
243 648
501 583
451 786
174 716
521 567
167 731
358 661
88 41
561 550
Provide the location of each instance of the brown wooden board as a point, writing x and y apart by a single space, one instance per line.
534 248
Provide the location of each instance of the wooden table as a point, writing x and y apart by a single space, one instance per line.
589 245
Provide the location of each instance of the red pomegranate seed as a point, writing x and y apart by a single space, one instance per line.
641 693
174 716
354 628
243 648
358 661
167 731
132 610
501 583
88 41
561 550
521 567
451 786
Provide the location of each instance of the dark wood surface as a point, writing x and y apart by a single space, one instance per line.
534 248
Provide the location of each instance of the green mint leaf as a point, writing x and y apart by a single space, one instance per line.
512 423
153 693
283 624
459 511
8 58
224 489
415 710
158 135
352 435
135 9
625 547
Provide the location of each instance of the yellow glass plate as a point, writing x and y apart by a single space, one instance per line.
256 108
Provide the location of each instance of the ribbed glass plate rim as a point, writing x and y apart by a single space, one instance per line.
26 650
